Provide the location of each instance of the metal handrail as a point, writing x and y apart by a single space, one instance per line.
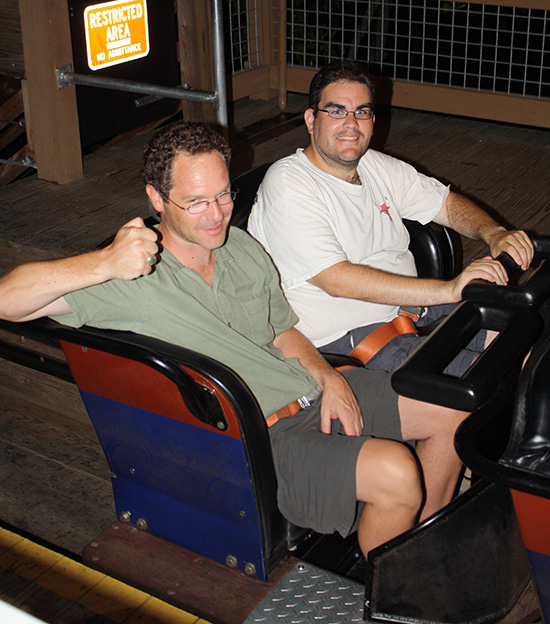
66 77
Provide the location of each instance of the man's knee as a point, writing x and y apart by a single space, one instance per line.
448 419
388 475
420 421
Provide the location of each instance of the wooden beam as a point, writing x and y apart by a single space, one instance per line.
250 82
515 109
253 82
52 112
9 134
195 47
11 50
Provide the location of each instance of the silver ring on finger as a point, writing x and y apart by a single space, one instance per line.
151 260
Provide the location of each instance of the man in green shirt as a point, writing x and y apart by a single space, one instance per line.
337 438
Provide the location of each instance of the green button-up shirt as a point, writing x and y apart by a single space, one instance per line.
234 321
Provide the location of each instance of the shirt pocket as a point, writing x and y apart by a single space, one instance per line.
255 319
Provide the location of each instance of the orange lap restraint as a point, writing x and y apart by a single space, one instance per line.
295 406
371 344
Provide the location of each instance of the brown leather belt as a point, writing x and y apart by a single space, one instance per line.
371 344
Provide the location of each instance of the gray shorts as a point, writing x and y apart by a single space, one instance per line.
316 471
399 348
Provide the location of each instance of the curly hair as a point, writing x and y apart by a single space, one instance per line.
351 71
178 138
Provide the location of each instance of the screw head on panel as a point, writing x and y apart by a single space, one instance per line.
231 561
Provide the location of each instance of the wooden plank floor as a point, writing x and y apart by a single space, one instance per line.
54 481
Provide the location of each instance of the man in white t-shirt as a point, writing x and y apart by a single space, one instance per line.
331 218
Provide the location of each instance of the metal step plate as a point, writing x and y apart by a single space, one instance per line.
308 594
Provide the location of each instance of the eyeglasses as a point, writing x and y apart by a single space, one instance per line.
361 114
198 207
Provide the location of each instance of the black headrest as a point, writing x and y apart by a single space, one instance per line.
247 184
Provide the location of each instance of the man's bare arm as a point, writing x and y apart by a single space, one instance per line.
36 289
356 281
468 219
338 400
353 281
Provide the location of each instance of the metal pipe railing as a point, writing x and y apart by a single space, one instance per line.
66 77
219 62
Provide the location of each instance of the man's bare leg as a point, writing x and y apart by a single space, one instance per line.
434 429
491 335
389 482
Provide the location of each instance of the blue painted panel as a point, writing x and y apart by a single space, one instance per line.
540 566
190 484
179 522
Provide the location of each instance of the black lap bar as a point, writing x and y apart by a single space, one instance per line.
421 376
529 295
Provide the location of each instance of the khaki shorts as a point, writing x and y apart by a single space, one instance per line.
316 471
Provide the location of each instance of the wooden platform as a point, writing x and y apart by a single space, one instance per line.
207 588
54 481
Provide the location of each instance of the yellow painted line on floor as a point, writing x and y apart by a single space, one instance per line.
155 611
28 559
8 539
70 579
114 599
94 590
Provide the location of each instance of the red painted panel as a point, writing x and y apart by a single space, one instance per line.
127 381
533 514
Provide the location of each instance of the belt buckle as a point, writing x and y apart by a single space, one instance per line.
304 402
413 312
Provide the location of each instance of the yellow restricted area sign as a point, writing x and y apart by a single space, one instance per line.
116 32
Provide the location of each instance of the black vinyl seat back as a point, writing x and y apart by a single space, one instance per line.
519 418
247 184
529 443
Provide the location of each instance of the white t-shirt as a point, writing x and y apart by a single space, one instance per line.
309 220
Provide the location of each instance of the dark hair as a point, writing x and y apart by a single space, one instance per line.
180 137
352 71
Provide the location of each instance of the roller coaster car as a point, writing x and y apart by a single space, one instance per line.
195 488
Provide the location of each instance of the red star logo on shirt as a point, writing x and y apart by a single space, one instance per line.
385 209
